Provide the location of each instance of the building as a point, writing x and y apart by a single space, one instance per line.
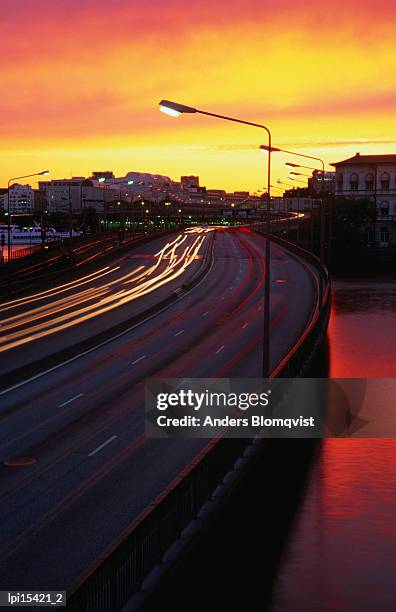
295 204
76 194
135 186
3 198
371 177
104 174
21 199
322 183
188 182
216 196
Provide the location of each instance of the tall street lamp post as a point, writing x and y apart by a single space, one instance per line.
175 109
322 217
16 178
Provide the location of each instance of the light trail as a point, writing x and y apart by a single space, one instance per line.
68 311
89 278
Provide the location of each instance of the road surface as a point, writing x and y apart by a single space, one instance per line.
80 427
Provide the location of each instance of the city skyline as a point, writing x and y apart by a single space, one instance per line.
86 93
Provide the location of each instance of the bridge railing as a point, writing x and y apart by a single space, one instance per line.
299 358
111 581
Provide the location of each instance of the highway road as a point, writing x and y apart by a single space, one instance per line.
79 426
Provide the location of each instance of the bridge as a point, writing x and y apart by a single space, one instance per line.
88 503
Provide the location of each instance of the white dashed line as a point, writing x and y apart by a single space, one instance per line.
72 399
179 332
220 349
139 359
96 450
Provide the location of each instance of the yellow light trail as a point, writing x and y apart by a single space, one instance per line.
41 322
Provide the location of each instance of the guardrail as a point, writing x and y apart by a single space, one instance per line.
299 358
120 571
109 585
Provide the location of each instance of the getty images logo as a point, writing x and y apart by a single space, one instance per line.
212 399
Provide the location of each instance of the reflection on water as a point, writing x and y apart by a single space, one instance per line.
342 552
362 330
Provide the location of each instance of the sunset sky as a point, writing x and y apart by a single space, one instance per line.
81 81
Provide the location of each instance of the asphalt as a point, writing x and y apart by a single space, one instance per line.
82 423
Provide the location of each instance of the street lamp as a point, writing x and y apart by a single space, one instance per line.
296 180
17 178
300 174
284 183
322 170
278 150
174 109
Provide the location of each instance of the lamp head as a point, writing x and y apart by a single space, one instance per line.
174 109
272 149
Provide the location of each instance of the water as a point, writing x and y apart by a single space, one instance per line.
342 551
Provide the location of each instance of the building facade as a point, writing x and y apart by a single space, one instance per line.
72 196
21 200
372 177
321 182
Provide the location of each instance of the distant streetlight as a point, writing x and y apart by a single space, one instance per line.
174 109
17 178
278 150
300 174
322 170
284 183
294 179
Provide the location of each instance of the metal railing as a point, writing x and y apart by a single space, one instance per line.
109 585
299 358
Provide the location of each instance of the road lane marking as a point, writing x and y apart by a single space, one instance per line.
205 313
101 344
245 326
72 399
220 349
138 359
99 448
179 332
